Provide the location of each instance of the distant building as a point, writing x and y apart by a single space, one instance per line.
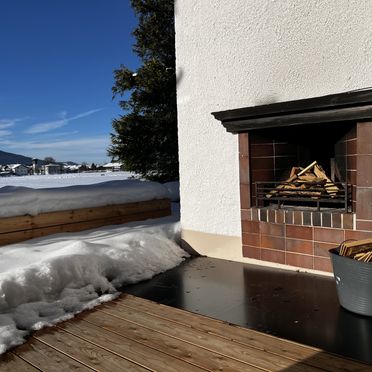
113 167
52 168
18 169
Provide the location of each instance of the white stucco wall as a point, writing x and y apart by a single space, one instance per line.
236 53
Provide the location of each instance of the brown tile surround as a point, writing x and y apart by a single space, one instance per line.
303 238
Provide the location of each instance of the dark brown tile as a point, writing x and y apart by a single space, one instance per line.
323 264
352 133
288 217
299 246
299 260
347 221
272 242
286 149
271 215
351 147
271 229
252 227
364 225
322 234
364 144
257 139
282 162
279 216
351 162
251 239
246 214
262 163
266 175
352 177
336 220
297 217
364 203
251 252
357 235
273 256
321 249
299 232
364 170
262 150
244 175
245 196
244 144
326 220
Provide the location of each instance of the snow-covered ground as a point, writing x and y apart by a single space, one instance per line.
47 280
60 180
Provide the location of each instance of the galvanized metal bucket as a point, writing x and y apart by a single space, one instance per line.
354 283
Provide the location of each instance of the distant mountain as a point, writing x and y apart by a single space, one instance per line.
10 158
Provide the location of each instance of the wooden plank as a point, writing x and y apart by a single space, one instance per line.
137 352
89 354
19 236
20 223
48 359
12 363
252 357
292 350
168 345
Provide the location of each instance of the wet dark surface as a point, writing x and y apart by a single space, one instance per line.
296 306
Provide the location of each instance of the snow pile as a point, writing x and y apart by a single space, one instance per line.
19 200
47 280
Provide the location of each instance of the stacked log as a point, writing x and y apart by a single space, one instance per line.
310 181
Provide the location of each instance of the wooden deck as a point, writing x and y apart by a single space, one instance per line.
133 334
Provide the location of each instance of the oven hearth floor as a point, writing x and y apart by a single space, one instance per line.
297 306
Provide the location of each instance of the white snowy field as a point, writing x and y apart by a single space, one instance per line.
48 280
60 180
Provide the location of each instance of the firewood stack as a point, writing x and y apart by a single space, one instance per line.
310 181
360 250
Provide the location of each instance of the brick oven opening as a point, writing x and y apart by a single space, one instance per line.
307 169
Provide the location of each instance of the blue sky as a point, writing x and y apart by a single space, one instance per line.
56 73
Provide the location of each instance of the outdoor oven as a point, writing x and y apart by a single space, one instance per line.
305 176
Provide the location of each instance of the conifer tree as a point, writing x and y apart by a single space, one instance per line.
145 136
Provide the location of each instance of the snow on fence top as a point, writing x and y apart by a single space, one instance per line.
19 201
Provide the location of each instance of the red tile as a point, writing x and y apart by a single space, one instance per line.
299 232
259 175
357 235
364 143
352 177
299 260
246 214
273 256
271 229
351 147
244 144
299 246
255 214
256 139
351 162
364 225
329 235
252 227
323 264
321 249
272 242
251 239
251 252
